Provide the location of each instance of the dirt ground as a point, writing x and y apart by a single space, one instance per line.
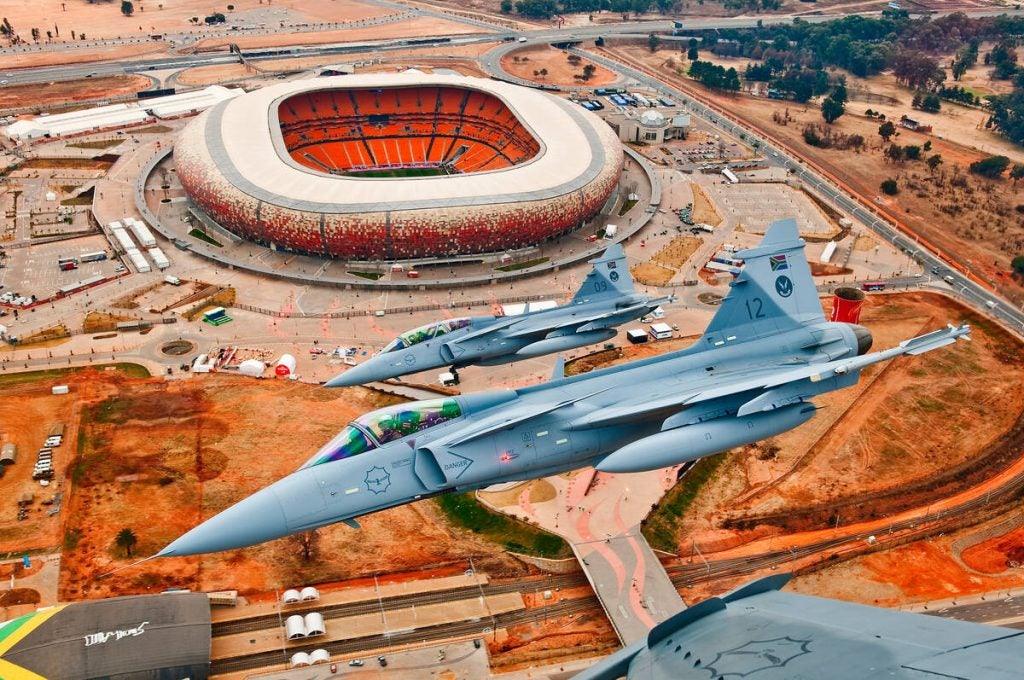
998 554
46 94
917 572
526 62
27 412
186 450
703 208
104 19
974 223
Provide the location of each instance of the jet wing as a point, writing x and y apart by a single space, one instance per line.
778 386
592 322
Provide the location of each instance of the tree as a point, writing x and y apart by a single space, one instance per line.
35 34
934 162
652 42
543 73
127 8
588 72
930 103
831 110
912 152
307 544
886 130
992 167
889 187
1017 172
126 540
839 93
692 54
1018 264
506 6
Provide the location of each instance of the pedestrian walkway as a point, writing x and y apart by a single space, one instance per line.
599 515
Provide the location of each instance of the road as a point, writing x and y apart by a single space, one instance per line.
856 207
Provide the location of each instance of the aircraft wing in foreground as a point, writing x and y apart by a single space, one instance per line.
762 633
753 374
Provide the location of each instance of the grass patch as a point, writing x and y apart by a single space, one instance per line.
155 129
464 511
71 539
522 265
132 370
662 526
373 276
399 172
203 236
98 144
628 205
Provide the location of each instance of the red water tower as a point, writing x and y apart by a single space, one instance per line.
846 305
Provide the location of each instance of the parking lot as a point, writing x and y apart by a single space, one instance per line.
35 269
755 206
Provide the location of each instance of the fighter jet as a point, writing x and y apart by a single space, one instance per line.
764 633
606 299
767 352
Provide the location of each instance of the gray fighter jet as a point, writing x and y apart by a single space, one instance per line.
766 353
606 299
763 633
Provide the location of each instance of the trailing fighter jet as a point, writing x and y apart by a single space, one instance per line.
761 632
766 353
606 299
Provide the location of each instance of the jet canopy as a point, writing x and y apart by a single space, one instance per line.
384 426
424 333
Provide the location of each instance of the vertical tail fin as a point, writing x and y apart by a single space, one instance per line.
773 293
610 277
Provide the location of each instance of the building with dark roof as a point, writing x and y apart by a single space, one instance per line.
159 637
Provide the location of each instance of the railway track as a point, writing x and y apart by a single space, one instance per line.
382 641
393 602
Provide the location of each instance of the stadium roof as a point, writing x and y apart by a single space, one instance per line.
244 139
139 636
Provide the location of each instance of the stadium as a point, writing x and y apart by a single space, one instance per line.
398 166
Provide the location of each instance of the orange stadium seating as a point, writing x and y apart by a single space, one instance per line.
349 131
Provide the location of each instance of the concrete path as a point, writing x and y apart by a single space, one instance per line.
599 515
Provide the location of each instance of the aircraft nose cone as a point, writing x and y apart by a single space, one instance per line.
357 375
254 520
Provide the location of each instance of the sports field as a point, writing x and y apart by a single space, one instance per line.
399 172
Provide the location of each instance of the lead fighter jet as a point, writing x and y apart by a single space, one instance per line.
606 299
751 376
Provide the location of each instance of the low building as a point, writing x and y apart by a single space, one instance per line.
142 636
8 454
651 127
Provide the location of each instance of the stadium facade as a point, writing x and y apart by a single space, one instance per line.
398 166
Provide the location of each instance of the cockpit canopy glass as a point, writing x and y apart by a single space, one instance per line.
394 422
423 333
386 425
349 442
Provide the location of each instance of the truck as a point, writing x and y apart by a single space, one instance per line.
609 231
94 257
173 280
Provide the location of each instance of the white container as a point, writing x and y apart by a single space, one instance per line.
60 389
